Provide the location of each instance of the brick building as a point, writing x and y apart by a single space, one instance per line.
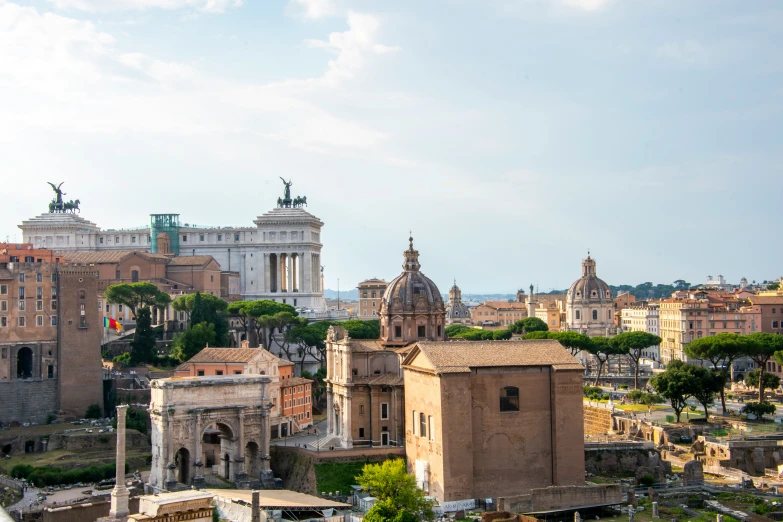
296 394
498 313
485 420
50 333
370 294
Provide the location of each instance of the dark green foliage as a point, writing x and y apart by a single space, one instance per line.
537 335
675 385
143 345
136 419
385 511
50 418
759 409
476 334
634 395
773 286
93 412
456 329
647 480
771 381
501 335
632 343
51 476
528 324
646 291
358 329
590 391
123 358
319 385
205 308
193 340
215 515
762 347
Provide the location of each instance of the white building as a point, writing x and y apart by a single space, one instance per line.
642 317
277 259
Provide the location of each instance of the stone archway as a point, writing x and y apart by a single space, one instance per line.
182 460
227 451
24 363
252 459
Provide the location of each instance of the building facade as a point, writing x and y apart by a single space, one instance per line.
50 333
370 295
278 259
485 420
498 313
589 304
642 316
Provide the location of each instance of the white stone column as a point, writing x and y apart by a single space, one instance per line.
289 270
300 267
120 494
267 283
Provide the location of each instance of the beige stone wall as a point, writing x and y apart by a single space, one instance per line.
569 430
597 421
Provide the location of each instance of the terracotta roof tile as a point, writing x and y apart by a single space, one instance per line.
294 381
190 260
766 299
458 357
384 379
226 355
366 345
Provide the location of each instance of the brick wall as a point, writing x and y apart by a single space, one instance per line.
598 421
29 400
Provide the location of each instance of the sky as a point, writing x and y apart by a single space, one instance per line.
510 136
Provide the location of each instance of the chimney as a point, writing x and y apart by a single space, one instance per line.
244 344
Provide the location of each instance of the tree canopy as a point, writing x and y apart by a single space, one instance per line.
761 348
137 295
528 324
188 343
603 349
674 385
632 343
390 482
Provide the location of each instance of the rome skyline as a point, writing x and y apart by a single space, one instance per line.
547 131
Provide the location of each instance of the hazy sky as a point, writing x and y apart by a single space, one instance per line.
509 135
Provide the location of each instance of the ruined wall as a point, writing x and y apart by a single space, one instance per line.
29 400
618 460
597 421
562 497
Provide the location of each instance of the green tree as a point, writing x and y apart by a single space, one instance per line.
501 335
771 381
207 308
573 341
721 350
537 335
143 347
603 349
633 343
528 324
650 399
634 395
674 385
238 309
263 312
456 329
681 284
759 409
761 348
193 340
773 286
358 329
390 482
124 359
385 511
137 296
705 384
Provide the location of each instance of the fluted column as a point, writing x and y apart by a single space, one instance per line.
119 495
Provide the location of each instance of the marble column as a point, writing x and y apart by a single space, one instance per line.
300 267
120 494
329 411
198 480
289 266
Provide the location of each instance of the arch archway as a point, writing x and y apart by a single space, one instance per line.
251 459
182 460
24 363
220 433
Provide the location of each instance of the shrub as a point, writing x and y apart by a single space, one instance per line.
50 418
93 412
759 409
634 395
623 386
647 480
501 335
591 390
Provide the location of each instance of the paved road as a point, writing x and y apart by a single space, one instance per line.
30 498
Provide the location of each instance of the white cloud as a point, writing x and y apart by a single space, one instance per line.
587 5
206 6
688 52
314 9
65 74
352 47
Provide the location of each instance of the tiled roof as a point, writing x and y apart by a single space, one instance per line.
766 299
99 257
285 362
366 345
459 357
294 381
384 379
190 260
226 355
504 305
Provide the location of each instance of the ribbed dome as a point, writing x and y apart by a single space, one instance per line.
412 291
589 288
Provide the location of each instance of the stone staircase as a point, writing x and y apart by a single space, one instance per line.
326 442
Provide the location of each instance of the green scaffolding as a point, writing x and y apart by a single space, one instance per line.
168 223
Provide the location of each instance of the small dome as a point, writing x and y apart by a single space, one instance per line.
412 291
589 288
455 308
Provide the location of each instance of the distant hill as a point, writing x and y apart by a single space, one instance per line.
344 294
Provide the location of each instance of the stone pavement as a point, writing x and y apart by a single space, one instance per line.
29 499
302 439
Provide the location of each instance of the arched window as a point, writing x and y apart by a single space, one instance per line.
509 398
595 315
134 276
578 315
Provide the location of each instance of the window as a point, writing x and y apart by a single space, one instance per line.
82 322
413 424
219 372
39 278
422 425
21 278
237 372
3 322
509 398
3 289
133 239
117 239
220 237
578 315
384 411
361 433
595 315
21 292
117 274
422 331
100 240
53 320
201 237
236 237
119 308
134 276
184 239
20 321
50 371
774 324
3 306
361 409
5 353
21 306
398 331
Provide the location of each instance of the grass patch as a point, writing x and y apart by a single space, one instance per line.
337 476
639 407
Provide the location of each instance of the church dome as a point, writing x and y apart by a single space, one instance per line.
589 288
412 308
412 291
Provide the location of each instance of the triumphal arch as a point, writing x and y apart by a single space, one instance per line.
210 425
